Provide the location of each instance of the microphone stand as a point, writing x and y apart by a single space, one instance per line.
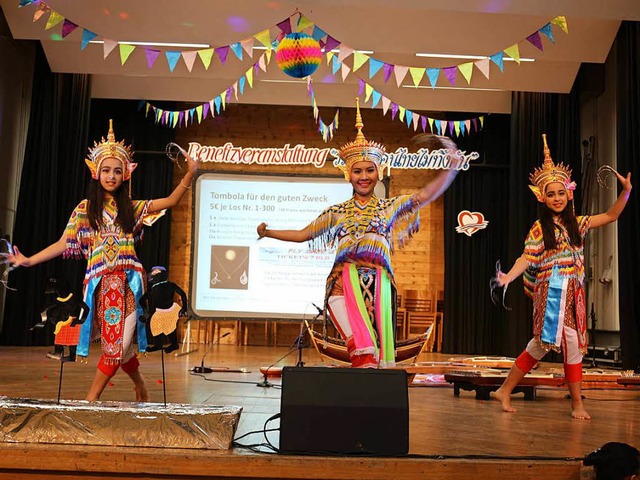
592 315
202 368
304 328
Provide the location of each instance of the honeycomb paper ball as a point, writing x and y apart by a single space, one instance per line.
298 55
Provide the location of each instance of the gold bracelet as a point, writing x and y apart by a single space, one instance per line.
184 186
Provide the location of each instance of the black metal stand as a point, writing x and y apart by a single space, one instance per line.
304 330
592 315
62 362
164 383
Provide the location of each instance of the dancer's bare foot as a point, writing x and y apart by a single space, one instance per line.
505 399
142 395
578 412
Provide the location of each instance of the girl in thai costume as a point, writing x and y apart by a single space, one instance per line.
365 230
104 229
553 264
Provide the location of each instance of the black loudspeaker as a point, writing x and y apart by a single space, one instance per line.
344 411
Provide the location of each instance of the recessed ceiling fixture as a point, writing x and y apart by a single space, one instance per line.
160 44
469 57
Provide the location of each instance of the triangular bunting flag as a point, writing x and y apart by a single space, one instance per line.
189 58
546 30
330 44
467 124
423 120
237 49
205 56
335 65
400 72
535 40
317 33
385 105
68 27
264 37
394 110
304 23
388 70
152 56
514 52
146 109
247 46
249 75
368 90
451 127
474 122
401 110
218 101
345 71
181 115
416 119
267 54
125 51
359 59
87 36
44 8
561 21
497 59
456 126
172 59
108 46
222 53
212 108
466 69
24 3
374 66
433 74
482 121
416 74
199 112
450 73
241 84
285 26
360 86
375 98
409 117
345 51
175 120
483 66
54 19
262 64
431 124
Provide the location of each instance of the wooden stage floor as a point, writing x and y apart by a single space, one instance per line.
450 437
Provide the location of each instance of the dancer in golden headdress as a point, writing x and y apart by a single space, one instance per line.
553 264
365 229
104 229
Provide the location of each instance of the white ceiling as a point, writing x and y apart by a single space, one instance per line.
394 30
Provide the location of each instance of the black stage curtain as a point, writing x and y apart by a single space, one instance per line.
54 180
472 323
627 50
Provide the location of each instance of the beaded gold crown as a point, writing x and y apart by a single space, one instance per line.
550 173
361 149
109 148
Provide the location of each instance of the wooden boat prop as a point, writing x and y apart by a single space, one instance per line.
335 349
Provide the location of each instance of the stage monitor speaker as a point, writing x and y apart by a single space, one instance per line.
344 411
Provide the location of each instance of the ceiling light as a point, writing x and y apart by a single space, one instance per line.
469 57
284 81
160 44
456 88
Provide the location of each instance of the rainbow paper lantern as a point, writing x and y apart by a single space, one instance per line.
298 55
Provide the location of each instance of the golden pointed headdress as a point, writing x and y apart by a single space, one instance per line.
109 148
550 173
361 149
